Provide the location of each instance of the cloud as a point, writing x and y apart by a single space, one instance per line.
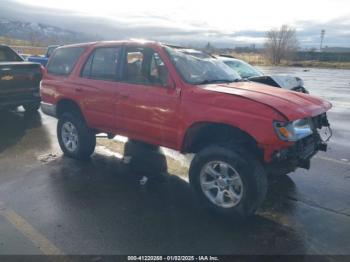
337 32
166 28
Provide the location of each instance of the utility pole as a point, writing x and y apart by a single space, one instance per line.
322 38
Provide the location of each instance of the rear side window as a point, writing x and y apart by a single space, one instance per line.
102 64
63 60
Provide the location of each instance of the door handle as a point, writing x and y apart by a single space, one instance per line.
78 89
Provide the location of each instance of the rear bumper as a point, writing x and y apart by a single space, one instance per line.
18 100
49 109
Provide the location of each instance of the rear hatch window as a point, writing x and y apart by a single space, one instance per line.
63 60
8 55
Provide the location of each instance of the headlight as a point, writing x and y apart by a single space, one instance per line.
293 131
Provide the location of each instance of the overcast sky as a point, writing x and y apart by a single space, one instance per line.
221 22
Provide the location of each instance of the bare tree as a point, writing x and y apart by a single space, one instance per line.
281 43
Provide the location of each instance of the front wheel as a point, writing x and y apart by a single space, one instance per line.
75 138
228 180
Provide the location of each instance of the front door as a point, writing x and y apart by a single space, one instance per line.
148 106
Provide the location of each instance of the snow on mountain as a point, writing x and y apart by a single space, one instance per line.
39 33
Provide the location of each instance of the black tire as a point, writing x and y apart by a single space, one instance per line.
86 137
32 108
251 173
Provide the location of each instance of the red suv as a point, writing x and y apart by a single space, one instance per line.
239 130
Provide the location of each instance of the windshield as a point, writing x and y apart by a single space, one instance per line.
196 70
243 69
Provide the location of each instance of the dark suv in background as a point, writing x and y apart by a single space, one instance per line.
19 81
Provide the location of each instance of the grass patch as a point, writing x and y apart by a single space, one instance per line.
13 41
260 59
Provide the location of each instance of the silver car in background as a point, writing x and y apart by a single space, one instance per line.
247 71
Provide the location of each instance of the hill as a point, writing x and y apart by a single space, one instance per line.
36 34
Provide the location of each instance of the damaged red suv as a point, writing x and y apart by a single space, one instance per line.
240 131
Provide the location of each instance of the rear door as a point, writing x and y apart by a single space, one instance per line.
148 106
97 85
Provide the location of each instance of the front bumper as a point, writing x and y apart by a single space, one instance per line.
300 154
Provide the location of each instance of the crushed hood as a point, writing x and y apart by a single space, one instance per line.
282 81
292 105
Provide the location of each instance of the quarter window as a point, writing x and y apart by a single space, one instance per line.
63 60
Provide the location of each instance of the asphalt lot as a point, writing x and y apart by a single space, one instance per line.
50 204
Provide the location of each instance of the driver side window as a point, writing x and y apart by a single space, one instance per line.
159 72
144 66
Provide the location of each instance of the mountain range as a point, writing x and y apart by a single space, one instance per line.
39 33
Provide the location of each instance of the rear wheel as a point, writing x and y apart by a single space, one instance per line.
32 108
75 138
228 180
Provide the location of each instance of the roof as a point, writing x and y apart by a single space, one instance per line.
113 42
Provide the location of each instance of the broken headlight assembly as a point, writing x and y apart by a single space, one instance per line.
293 131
